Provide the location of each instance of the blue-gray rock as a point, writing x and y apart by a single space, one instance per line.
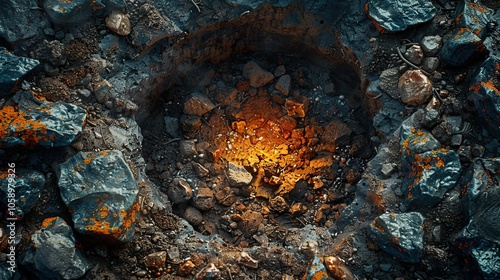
19 21
479 241
316 270
486 96
399 235
8 272
52 252
473 16
12 68
429 176
69 12
100 191
463 48
28 186
28 121
416 141
397 15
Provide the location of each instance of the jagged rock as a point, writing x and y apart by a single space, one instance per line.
473 16
238 176
429 118
430 64
486 96
394 16
204 199
119 23
226 95
187 148
172 126
414 88
190 123
179 191
257 76
246 260
462 48
198 104
316 270
100 190
210 272
12 68
414 54
53 52
200 170
399 235
284 84
336 134
156 260
28 187
28 121
431 44
101 91
19 22
479 240
52 252
389 82
416 141
297 106
250 221
68 12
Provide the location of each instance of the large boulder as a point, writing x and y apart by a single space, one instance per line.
473 15
28 121
399 235
486 95
12 68
100 191
19 21
28 185
479 241
52 252
398 15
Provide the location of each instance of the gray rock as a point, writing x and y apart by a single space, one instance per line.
398 15
53 52
190 123
226 95
193 216
479 240
399 235
429 118
485 96
119 23
389 82
101 192
414 88
431 45
12 68
414 54
200 170
28 187
456 140
430 64
388 168
18 21
179 191
416 141
39 122
101 90
238 176
187 148
257 76
172 126
462 48
52 252
198 104
68 12
284 84
204 199
474 16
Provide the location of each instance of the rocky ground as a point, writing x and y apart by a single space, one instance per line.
249 139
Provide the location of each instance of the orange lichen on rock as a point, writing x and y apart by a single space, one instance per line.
30 131
490 85
48 222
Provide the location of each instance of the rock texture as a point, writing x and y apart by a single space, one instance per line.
28 187
414 88
398 15
12 68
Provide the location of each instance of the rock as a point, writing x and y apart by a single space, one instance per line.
316 270
278 204
416 141
238 176
429 176
100 191
414 54
462 48
389 82
485 95
193 216
430 64
101 91
337 269
187 148
52 252
53 52
479 239
190 123
246 260
172 126
28 121
204 199
124 107
429 118
201 170
179 191
13 68
18 22
250 221
257 76
198 104
119 23
28 187
398 15
336 134
210 272
388 168
297 107
186 269
431 45
399 235
284 84
226 95
279 71
414 88
156 260
68 12
473 16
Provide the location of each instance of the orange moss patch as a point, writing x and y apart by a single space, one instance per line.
87 161
29 131
48 222
490 85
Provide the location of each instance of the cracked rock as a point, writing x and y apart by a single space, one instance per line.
238 176
198 104
398 15
12 68
256 75
399 235
28 187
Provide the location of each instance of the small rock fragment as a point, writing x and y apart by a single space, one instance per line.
238 176
179 191
284 84
278 204
210 272
256 75
337 269
187 149
186 269
316 270
394 16
431 45
430 64
245 260
414 88
201 170
389 82
414 54
156 260
204 199
198 104
118 23
297 107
